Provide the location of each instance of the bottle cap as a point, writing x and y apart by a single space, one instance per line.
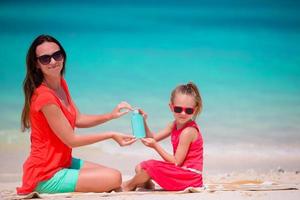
136 111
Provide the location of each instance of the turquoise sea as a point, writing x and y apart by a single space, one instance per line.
243 55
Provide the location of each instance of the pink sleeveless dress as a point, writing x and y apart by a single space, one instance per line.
189 174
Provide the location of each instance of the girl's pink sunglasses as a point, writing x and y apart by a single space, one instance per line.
179 109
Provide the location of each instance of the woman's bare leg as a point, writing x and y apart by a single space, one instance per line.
97 178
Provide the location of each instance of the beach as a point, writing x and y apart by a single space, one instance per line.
217 171
243 56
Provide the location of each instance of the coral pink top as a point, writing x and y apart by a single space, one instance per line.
189 174
48 153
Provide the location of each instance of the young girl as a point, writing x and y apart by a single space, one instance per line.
183 168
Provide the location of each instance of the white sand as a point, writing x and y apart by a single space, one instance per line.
10 177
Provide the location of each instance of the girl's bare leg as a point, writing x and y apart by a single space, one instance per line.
140 178
147 185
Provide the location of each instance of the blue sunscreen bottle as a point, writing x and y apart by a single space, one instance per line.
137 123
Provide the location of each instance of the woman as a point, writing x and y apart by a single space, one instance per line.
52 116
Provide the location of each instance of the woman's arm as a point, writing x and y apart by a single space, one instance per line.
186 138
86 121
62 128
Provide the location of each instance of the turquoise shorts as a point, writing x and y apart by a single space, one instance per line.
63 181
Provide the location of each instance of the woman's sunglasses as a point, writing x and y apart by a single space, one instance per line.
46 59
179 109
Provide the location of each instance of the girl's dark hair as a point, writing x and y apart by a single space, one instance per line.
34 76
189 89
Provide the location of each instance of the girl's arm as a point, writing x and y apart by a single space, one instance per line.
159 135
166 132
62 128
86 121
186 138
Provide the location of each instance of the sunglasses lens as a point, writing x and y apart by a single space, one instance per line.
58 56
45 59
189 111
177 109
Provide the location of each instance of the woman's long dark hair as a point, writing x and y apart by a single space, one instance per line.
34 76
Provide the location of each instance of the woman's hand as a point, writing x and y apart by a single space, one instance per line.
122 139
149 142
116 113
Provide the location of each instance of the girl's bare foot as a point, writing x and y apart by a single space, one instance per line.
125 187
149 185
120 189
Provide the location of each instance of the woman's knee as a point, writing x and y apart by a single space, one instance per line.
112 178
117 176
98 180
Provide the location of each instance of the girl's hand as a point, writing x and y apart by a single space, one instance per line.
122 139
149 142
143 113
116 113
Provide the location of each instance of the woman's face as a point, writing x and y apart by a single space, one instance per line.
49 59
183 108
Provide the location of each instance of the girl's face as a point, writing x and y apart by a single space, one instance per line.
49 59
183 108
